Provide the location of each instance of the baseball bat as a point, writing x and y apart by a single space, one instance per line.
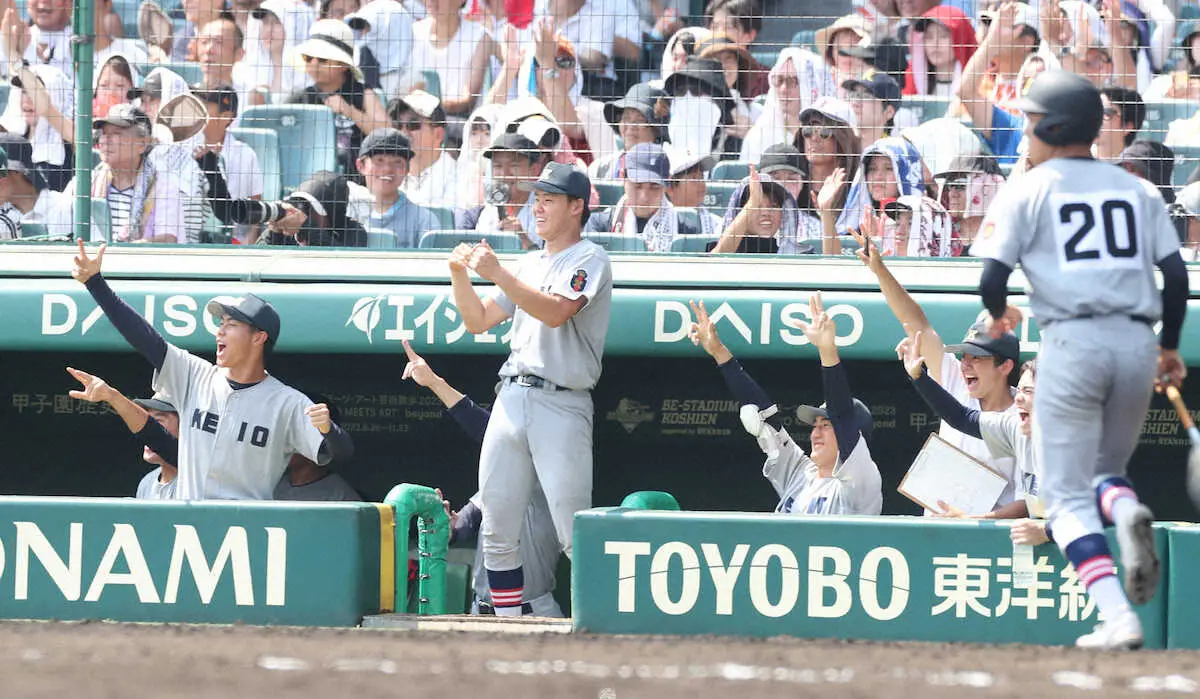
1193 464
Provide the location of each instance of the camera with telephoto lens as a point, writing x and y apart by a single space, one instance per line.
497 193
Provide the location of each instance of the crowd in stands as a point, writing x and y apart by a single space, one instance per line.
388 123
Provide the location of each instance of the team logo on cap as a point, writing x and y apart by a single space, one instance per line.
579 281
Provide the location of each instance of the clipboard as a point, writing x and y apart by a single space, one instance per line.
942 471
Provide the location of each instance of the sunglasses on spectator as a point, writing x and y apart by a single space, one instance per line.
411 125
319 60
817 131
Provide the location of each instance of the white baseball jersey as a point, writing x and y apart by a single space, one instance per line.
568 355
855 487
150 488
1002 434
233 444
955 385
1087 235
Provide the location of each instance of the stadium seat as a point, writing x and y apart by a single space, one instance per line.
448 240
188 71
265 144
926 107
381 239
767 58
1159 116
444 216
1187 12
610 191
692 243
127 11
849 244
617 242
306 141
805 39
33 230
1186 160
433 82
101 218
730 171
688 217
717 195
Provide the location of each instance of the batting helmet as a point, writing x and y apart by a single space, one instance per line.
1070 105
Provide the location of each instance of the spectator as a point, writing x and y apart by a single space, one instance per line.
264 71
966 194
218 49
797 80
324 200
785 164
847 32
385 39
999 66
337 83
999 129
241 10
383 162
918 227
687 187
1149 50
116 79
945 144
158 87
762 218
1189 202
735 64
1184 81
430 180
41 108
238 161
146 200
515 159
599 31
890 168
680 47
472 166
106 44
875 99
46 40
305 481
457 50
197 14
337 9
638 118
24 196
701 109
644 211
533 119
942 41
828 141
741 21
1153 162
1124 112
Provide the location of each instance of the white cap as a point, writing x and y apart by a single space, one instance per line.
833 108
682 159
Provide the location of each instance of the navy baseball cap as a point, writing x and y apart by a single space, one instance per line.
248 309
647 162
782 156
158 402
980 343
862 415
881 85
16 155
560 178
386 141
513 142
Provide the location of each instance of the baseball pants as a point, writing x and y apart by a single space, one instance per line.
1095 378
534 433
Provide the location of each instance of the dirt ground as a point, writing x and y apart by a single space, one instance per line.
48 659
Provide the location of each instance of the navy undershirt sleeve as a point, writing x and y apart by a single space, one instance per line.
160 441
469 416
133 327
746 389
839 403
957 415
1174 299
467 525
338 445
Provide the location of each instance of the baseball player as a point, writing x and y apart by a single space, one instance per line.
840 477
153 421
240 425
541 427
979 379
1088 235
1006 434
539 541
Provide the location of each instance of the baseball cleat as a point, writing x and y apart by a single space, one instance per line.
1124 632
1139 559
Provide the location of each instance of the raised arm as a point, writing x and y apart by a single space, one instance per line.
336 444
737 229
137 332
136 418
479 315
839 402
703 333
1000 37
470 417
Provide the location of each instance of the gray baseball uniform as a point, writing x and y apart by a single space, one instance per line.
854 489
542 432
540 551
234 444
1088 236
150 488
1002 434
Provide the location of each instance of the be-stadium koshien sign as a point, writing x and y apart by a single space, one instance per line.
343 318
841 577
